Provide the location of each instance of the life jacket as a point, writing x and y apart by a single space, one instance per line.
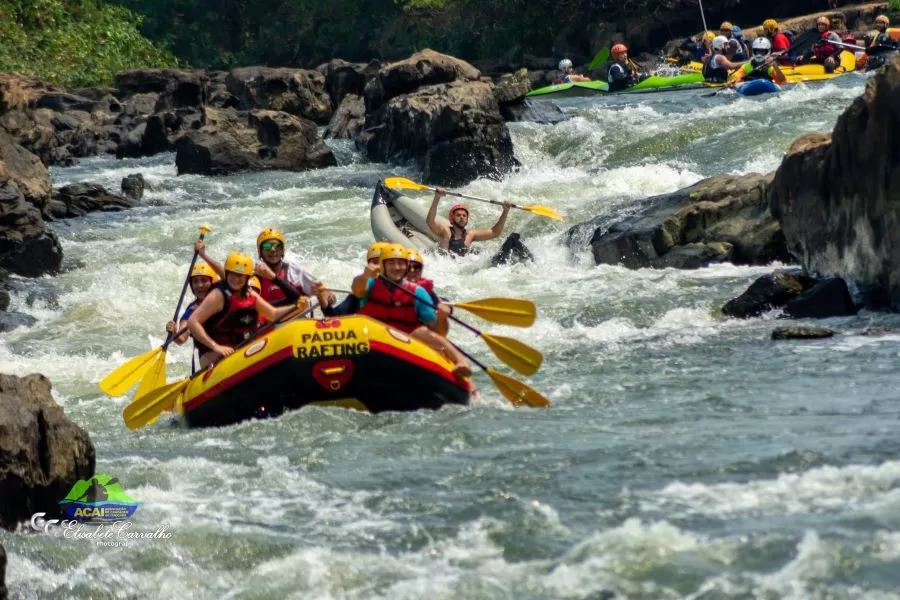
458 245
619 82
428 284
824 47
714 74
392 306
188 311
782 42
271 293
236 321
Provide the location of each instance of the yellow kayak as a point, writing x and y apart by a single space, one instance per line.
353 361
801 73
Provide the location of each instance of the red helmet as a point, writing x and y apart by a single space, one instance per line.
849 38
618 49
456 207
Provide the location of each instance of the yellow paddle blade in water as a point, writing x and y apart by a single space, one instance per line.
506 311
155 377
146 409
517 355
517 392
128 375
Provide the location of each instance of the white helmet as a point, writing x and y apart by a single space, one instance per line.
719 42
564 64
761 49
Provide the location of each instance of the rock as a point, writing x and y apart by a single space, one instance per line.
26 246
176 88
3 592
233 141
837 196
343 78
44 453
64 102
299 92
348 119
767 293
727 216
454 130
96 93
159 133
424 68
799 332
133 186
512 87
141 104
4 300
78 199
12 320
878 331
20 92
547 113
828 298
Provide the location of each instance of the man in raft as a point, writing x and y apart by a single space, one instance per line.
230 312
624 72
761 66
455 238
408 309
827 48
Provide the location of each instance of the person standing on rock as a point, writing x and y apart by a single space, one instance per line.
455 238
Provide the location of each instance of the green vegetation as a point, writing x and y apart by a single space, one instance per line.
77 42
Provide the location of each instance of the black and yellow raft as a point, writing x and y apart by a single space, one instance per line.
352 361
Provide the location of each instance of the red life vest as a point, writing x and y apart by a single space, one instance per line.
273 294
236 321
824 47
781 42
427 284
392 306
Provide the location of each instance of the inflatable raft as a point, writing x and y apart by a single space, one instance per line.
590 88
399 220
801 73
354 361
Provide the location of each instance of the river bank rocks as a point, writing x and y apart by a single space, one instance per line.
838 196
798 295
433 109
44 453
233 141
78 199
718 219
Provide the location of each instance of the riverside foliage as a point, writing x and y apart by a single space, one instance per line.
76 42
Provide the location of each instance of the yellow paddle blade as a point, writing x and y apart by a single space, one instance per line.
146 409
401 183
520 357
128 375
155 377
517 392
506 311
544 211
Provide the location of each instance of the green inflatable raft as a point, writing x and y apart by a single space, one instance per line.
590 88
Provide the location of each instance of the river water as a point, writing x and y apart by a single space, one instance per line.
684 455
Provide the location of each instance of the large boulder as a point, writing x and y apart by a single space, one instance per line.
838 197
718 219
20 92
343 78
233 141
767 293
348 119
42 453
453 130
159 132
174 88
78 199
299 92
26 246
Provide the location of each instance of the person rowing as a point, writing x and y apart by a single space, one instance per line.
203 277
761 66
718 67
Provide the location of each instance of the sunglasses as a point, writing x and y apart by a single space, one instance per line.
270 245
415 267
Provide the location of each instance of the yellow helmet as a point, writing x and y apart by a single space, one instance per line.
376 249
709 35
416 257
770 25
268 234
883 19
727 26
254 283
823 21
394 251
204 270
240 263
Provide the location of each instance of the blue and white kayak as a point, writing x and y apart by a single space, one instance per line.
757 87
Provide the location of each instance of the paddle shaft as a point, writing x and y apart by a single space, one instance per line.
467 197
184 288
